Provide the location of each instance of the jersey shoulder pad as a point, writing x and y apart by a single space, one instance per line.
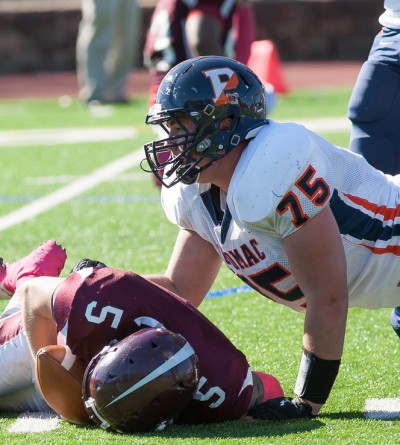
179 201
268 167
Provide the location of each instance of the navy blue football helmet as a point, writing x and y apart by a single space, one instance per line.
206 90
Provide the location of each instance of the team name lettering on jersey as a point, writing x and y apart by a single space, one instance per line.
248 257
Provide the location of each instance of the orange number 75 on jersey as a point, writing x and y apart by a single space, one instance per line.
316 190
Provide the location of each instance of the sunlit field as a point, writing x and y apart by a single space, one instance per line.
105 207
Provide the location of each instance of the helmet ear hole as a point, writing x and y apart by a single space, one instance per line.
111 376
142 397
226 123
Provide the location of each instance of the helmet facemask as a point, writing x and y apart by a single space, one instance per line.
208 140
171 153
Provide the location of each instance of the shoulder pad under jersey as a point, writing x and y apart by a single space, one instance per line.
178 201
268 167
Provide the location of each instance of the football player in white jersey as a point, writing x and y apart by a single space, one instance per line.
307 224
374 107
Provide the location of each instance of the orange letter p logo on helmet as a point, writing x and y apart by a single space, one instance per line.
222 79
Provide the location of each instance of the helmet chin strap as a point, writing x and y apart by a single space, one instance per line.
193 175
189 178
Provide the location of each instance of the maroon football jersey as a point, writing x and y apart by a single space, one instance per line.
95 306
10 327
166 44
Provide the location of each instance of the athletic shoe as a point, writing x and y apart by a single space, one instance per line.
47 260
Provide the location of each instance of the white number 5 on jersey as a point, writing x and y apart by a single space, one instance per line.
203 397
97 319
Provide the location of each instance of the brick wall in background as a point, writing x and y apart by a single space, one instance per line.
40 35
319 29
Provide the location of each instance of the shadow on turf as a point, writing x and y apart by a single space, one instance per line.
230 430
235 429
241 429
226 430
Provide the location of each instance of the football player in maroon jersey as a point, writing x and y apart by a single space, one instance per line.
97 305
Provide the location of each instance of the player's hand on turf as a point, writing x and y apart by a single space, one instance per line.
85 262
281 408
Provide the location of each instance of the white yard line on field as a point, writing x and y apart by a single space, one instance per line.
65 179
37 422
60 136
326 124
382 409
72 190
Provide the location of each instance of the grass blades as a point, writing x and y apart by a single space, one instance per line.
121 222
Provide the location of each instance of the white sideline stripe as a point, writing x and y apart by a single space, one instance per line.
68 192
65 179
60 136
29 422
382 409
326 124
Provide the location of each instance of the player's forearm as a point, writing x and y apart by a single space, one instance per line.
325 326
192 268
39 326
189 293
323 341
163 281
39 338
318 262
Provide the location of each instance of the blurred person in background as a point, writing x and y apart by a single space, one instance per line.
181 29
374 107
106 49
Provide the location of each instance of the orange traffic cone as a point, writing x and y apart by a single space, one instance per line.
264 60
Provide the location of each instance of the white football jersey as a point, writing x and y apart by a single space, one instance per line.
18 388
286 176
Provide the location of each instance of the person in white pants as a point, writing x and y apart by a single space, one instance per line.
106 49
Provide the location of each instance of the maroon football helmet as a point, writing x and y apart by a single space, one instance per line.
142 382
